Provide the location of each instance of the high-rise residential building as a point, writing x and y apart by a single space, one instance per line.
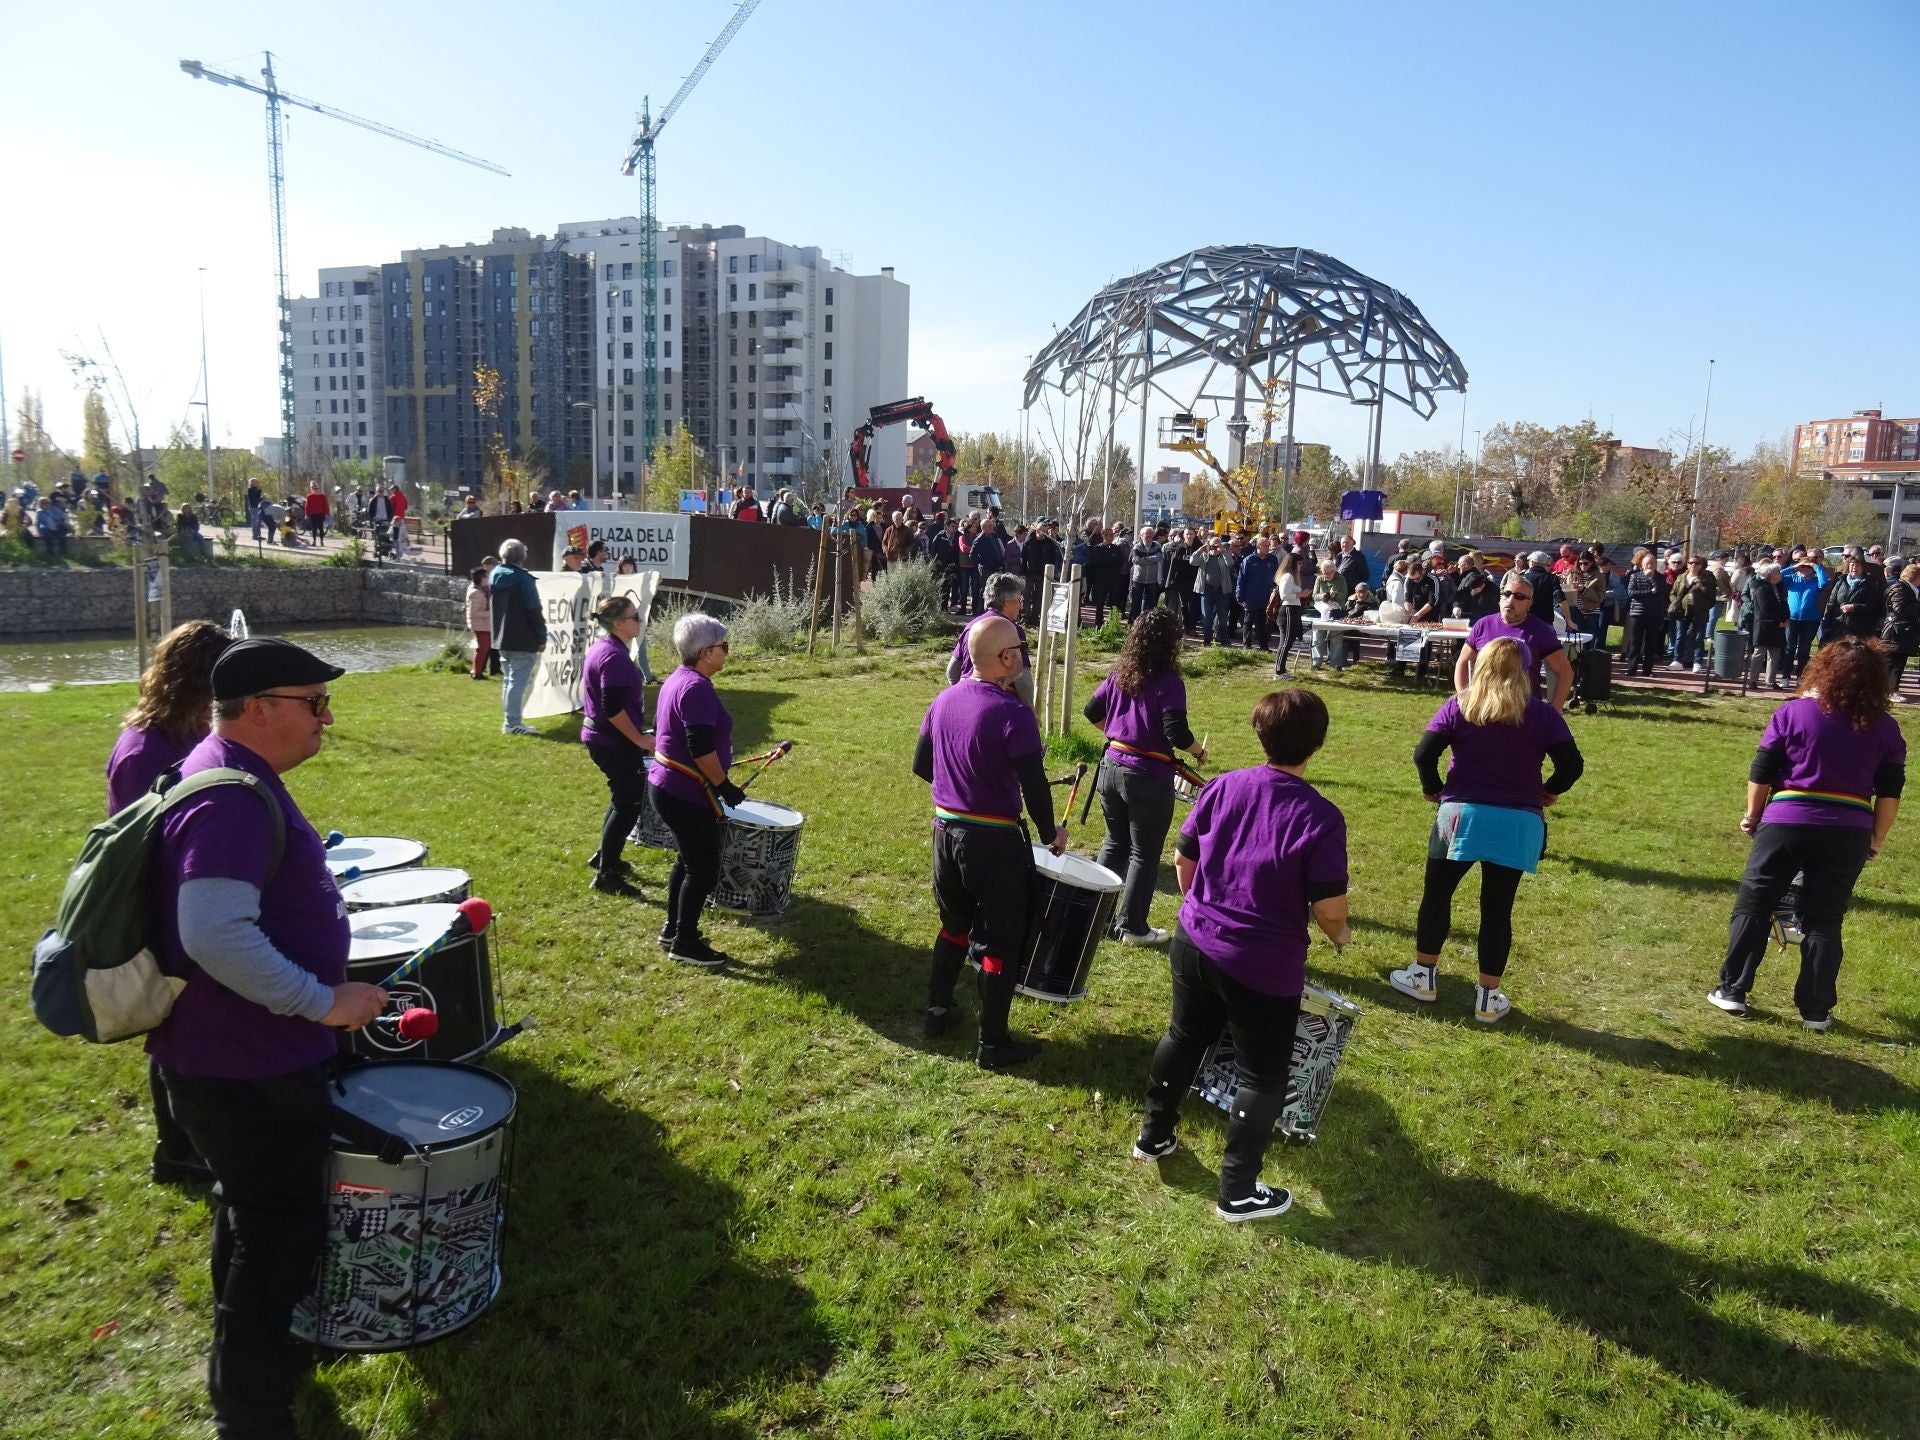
769 353
519 306
1866 436
339 349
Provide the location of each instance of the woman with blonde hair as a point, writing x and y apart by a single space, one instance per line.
1491 813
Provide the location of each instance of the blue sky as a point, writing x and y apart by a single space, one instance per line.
1588 202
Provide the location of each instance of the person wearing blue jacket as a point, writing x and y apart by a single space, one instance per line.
1253 588
1806 582
519 632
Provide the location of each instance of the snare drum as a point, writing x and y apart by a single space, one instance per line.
759 848
455 983
1319 1044
1073 903
412 1250
650 830
371 853
417 885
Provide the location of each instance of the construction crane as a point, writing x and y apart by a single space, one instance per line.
640 160
277 184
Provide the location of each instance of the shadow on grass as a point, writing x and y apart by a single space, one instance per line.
1644 1295
1724 885
623 1309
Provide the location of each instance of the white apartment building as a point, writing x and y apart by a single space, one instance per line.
339 369
769 353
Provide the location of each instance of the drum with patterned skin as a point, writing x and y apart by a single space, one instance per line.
759 848
1319 1044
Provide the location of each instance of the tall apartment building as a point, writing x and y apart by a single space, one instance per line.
519 305
769 353
339 368
1866 436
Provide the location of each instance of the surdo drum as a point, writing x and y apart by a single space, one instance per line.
373 853
650 830
1319 1044
759 848
412 1249
417 885
455 983
1073 903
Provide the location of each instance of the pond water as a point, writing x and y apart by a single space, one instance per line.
34 662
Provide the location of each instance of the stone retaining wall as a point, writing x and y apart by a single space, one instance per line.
36 602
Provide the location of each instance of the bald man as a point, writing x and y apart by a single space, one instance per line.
980 749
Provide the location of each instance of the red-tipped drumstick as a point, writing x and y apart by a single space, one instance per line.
474 917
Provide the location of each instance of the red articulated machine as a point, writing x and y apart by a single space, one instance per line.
917 412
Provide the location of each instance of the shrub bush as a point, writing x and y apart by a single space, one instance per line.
903 603
776 620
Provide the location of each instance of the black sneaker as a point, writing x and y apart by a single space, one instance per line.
180 1169
666 937
938 1020
620 866
696 952
1145 1149
1725 997
612 882
1007 1053
1260 1205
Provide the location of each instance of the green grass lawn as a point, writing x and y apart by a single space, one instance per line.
757 1203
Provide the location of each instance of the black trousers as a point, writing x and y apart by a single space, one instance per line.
1499 884
1830 857
982 884
1644 644
172 1143
1138 808
626 797
1259 628
266 1141
1206 1001
696 829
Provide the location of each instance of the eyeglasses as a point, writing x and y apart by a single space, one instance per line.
318 704
724 645
1515 595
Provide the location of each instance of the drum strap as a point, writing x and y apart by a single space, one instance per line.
1179 767
694 775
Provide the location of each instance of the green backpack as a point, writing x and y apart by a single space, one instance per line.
96 973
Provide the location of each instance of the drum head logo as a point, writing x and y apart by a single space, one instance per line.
403 997
461 1118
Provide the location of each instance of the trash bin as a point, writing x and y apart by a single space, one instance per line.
1729 654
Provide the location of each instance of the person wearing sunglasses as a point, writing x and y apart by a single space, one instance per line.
613 693
980 750
254 929
693 747
1539 645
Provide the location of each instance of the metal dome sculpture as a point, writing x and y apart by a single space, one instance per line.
1306 320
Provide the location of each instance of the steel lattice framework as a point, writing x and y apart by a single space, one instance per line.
1247 309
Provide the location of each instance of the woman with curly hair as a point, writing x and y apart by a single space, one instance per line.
1822 794
1142 708
174 713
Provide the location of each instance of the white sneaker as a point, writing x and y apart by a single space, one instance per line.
1825 1022
1699 669
518 730
1490 1005
1676 665
1148 936
1416 981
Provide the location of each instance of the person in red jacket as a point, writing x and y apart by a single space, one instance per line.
317 510
399 499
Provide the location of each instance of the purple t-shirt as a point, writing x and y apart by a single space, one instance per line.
1826 756
141 756
687 698
1135 720
1267 841
1536 636
226 834
1498 764
978 730
610 685
965 656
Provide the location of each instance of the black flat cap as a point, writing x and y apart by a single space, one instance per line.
248 667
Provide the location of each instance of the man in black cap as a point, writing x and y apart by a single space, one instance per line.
260 944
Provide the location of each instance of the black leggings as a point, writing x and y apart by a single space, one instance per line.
1498 886
696 829
627 797
1831 858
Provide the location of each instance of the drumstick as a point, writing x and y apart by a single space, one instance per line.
474 917
763 755
772 755
1079 774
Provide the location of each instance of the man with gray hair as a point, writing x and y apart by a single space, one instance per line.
519 631
1005 595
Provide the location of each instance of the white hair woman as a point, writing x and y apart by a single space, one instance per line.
1491 813
693 748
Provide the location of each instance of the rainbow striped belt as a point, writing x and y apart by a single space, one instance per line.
974 817
1827 797
694 775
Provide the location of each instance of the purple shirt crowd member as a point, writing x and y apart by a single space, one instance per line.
262 951
1539 643
693 748
172 716
1823 792
1490 815
614 733
1142 708
1259 849
1005 594
980 750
